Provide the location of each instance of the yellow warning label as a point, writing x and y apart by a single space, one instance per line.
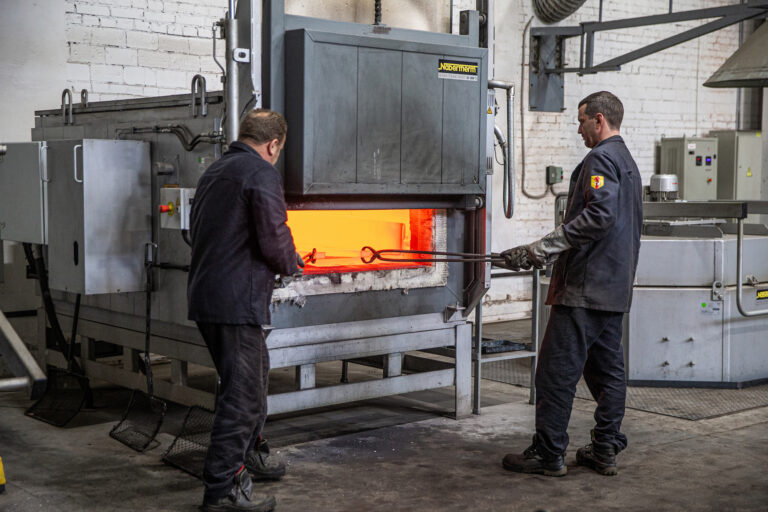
758 134
762 294
457 70
490 111
749 172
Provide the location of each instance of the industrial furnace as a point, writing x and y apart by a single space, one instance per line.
387 147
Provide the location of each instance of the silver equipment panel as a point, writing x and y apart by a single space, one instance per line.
23 192
694 160
100 220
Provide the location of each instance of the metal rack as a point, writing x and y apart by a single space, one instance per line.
479 359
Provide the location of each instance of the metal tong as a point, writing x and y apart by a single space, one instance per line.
368 255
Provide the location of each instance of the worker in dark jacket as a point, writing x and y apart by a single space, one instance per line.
239 242
595 254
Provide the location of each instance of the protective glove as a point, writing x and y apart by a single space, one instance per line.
538 254
516 258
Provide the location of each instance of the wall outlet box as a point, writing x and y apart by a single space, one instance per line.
554 174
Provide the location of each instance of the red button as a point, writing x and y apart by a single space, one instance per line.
709 180
164 208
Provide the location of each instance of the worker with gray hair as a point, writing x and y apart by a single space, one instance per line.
240 241
595 253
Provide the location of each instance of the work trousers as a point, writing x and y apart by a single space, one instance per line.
576 341
241 358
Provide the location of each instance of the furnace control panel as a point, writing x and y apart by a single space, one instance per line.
694 161
175 205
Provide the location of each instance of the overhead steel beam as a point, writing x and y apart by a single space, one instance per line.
547 46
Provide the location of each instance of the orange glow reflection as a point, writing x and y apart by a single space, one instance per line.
338 236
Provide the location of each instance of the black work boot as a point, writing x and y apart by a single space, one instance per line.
531 461
598 456
241 498
262 465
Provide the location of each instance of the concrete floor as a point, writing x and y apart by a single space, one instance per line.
435 463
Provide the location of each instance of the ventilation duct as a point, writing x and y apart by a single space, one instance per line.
748 67
552 11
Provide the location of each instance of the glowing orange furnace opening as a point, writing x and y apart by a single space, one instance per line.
338 235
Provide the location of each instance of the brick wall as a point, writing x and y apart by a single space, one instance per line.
133 48
662 95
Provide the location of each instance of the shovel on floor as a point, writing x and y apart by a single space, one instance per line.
144 415
67 391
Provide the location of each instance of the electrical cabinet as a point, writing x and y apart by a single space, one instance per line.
23 213
694 161
739 166
99 211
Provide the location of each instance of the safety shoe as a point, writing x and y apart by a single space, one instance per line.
240 498
531 461
598 456
262 465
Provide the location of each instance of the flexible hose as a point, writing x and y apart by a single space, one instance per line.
552 11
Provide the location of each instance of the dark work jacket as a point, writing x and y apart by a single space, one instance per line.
602 223
239 240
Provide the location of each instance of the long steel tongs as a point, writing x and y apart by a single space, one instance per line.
369 255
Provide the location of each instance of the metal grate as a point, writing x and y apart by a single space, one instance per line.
684 403
141 422
188 450
64 396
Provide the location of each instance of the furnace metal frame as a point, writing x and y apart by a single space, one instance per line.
393 327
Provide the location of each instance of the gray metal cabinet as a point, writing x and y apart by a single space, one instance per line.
100 215
23 192
695 162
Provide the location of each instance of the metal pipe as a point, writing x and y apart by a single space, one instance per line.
522 123
232 82
508 202
478 357
740 278
14 383
256 50
535 332
213 36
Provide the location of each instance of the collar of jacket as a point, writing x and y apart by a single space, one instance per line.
612 138
242 147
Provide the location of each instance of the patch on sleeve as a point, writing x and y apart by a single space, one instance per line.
597 182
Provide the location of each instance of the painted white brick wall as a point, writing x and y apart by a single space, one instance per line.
662 95
133 48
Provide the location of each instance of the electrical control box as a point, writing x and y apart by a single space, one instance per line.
694 161
99 215
23 212
175 205
554 174
739 165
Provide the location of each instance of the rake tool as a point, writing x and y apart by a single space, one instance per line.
67 390
144 415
